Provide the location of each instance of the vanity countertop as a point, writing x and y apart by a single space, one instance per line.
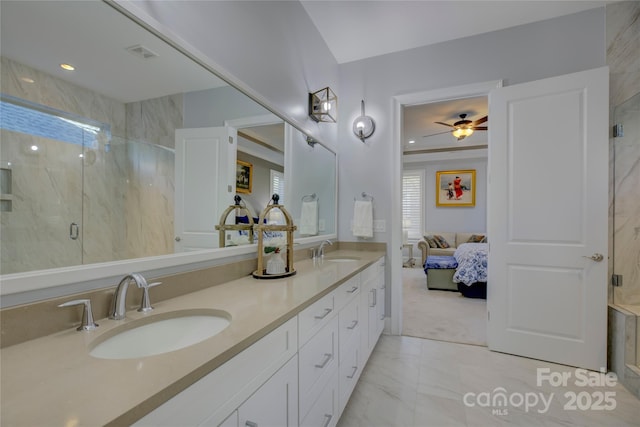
54 381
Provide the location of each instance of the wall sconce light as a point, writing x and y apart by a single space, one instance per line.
311 142
363 126
323 105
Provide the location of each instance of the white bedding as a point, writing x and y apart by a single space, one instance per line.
472 263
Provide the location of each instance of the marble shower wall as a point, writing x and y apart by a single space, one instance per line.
151 126
120 193
623 58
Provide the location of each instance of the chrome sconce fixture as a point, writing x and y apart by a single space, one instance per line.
363 126
323 105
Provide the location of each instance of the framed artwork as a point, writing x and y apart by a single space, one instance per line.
244 177
456 188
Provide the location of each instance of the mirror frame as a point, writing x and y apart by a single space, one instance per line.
22 288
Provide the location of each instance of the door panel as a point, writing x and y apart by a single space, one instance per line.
548 174
204 188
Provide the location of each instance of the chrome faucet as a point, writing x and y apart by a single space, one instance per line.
118 307
320 251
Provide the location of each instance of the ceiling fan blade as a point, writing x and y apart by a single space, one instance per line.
480 128
446 124
480 120
434 134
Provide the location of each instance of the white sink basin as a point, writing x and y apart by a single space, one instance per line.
161 334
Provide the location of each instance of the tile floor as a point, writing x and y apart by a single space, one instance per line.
419 382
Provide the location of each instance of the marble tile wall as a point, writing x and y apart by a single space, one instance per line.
151 126
120 193
623 58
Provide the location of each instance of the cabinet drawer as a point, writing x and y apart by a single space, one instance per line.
314 317
324 411
349 324
350 368
318 359
276 402
347 291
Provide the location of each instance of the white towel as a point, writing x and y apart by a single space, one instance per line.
363 218
309 218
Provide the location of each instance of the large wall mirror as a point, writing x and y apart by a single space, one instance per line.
99 164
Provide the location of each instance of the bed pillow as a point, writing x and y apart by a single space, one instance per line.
441 241
477 238
431 241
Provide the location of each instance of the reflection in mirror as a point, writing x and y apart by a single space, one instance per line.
89 159
313 190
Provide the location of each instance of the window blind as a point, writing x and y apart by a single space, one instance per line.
412 203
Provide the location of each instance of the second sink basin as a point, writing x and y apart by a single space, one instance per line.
161 334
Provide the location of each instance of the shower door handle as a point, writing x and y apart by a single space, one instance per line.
595 257
73 231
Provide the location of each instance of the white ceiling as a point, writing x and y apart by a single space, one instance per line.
360 29
419 124
44 34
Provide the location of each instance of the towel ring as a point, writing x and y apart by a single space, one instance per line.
310 197
365 196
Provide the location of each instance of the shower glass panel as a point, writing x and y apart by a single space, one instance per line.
626 238
626 216
42 228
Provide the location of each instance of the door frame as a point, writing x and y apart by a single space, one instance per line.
395 252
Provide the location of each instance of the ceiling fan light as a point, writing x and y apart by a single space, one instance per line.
462 133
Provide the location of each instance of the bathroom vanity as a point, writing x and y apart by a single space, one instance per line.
291 355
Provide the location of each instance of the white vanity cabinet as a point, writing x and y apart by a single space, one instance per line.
211 400
303 373
372 301
276 401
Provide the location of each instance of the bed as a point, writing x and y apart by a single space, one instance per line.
471 273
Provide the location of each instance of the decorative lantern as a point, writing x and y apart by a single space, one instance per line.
223 226
276 266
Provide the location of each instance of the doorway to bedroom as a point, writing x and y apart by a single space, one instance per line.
432 306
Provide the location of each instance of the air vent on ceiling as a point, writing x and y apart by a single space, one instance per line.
141 52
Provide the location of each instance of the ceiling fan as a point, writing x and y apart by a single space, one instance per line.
463 127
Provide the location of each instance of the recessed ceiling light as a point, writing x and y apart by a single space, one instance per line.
412 141
27 79
34 148
67 67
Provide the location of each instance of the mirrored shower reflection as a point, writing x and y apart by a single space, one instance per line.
68 204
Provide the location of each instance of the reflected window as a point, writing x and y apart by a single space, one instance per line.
26 117
277 183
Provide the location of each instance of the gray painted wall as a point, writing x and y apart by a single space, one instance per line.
455 219
529 52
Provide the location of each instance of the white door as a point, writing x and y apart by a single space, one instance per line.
547 222
205 184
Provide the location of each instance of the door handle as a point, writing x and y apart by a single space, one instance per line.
178 238
595 257
73 231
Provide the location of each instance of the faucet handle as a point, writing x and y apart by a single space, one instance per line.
87 314
145 305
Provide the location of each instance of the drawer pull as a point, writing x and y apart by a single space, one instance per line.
328 417
326 313
353 325
251 424
352 290
327 358
353 374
